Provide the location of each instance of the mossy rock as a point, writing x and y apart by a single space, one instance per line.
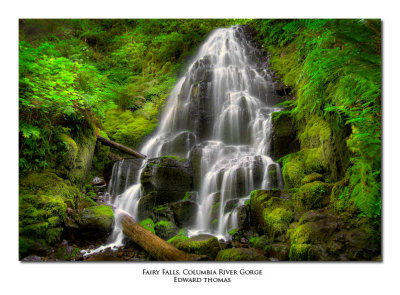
165 229
284 139
85 202
95 223
240 254
270 213
259 242
279 251
311 178
148 224
300 252
277 221
67 253
70 153
314 195
184 212
201 245
180 237
43 203
296 166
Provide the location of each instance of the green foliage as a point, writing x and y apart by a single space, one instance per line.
335 68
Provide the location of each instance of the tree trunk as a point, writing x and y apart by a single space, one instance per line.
120 147
152 244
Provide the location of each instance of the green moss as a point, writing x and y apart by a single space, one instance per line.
71 151
129 128
293 170
302 234
42 206
262 204
25 246
239 254
316 133
277 221
233 231
53 235
165 229
186 197
85 202
314 195
299 252
180 237
67 253
148 224
261 242
102 210
311 178
200 245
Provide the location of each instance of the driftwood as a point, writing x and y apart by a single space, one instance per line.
120 147
152 244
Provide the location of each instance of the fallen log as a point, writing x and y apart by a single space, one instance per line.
120 147
152 244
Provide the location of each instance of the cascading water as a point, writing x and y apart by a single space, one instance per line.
218 115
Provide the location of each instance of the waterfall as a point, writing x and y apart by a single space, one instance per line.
221 111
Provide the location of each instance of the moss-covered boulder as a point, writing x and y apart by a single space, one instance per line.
165 229
277 221
311 235
201 245
94 223
43 199
322 151
311 178
284 137
85 202
240 254
314 195
271 212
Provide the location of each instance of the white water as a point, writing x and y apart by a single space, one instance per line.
220 110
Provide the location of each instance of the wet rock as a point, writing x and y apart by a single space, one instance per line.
284 137
273 176
230 205
94 223
180 145
125 173
163 213
169 177
243 217
240 254
195 159
184 212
